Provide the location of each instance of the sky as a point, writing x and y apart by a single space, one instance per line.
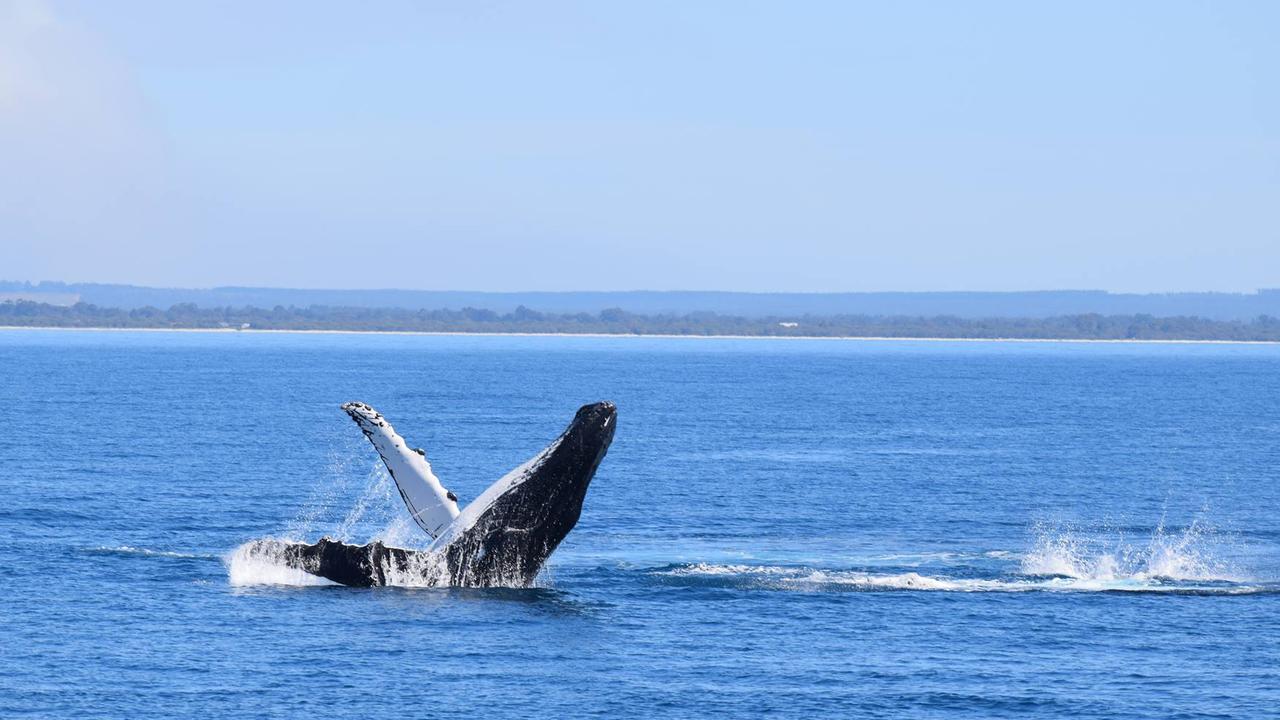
488 145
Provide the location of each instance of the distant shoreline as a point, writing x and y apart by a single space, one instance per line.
616 322
869 338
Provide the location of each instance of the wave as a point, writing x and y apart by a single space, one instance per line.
131 550
807 579
1190 560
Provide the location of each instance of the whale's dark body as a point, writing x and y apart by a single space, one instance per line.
502 538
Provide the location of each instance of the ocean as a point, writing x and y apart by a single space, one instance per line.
791 528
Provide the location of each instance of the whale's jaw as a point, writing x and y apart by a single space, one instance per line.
503 538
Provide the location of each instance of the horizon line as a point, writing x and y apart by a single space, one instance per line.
34 284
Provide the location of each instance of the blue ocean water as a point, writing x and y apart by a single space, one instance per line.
872 529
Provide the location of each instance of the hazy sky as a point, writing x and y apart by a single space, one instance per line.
602 145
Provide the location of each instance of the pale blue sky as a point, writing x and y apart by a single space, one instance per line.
599 145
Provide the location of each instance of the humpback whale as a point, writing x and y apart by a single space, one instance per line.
503 537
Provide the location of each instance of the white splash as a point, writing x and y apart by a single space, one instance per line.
374 509
247 566
430 505
373 500
1189 555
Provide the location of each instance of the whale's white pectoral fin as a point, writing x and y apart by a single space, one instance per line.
430 504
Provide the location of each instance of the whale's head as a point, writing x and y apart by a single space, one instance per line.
595 423
510 530
565 468
559 480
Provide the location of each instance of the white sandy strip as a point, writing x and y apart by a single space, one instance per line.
868 338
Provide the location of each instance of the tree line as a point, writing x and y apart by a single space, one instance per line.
616 321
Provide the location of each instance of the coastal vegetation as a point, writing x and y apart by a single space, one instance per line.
967 304
23 313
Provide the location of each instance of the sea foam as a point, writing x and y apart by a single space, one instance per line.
1192 560
807 579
